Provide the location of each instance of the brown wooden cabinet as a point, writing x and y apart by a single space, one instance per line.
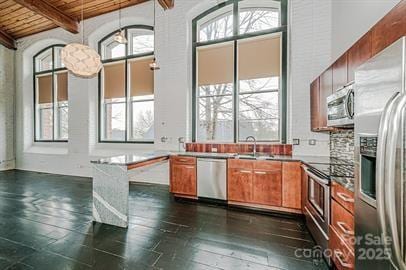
239 186
339 70
183 176
390 28
267 187
291 185
315 104
358 54
255 182
304 188
326 89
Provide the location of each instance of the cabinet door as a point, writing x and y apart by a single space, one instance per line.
315 104
390 28
183 179
267 187
291 185
358 54
340 72
326 89
239 187
304 188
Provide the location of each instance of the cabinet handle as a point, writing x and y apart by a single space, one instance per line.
256 172
189 167
338 255
244 171
344 197
343 227
182 160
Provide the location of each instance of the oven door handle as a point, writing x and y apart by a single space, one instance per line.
318 179
347 105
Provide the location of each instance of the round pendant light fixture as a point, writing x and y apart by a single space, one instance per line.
120 35
154 65
80 59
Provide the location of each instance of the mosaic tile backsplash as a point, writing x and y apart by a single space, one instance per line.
342 148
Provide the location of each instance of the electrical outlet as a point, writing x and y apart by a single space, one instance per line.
312 142
296 141
214 150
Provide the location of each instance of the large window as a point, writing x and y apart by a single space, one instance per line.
51 96
126 112
239 77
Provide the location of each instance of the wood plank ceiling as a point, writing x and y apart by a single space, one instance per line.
21 18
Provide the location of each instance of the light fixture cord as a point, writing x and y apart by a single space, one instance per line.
154 31
119 14
83 25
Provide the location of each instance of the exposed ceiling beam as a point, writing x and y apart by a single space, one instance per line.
167 4
7 40
41 7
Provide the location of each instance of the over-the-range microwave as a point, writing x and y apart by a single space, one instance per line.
340 107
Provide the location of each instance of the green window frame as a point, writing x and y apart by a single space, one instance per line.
234 38
52 71
126 59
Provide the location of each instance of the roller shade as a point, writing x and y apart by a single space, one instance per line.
114 80
259 58
62 86
44 89
141 78
215 64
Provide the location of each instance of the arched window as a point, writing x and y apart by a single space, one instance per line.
239 71
51 96
126 87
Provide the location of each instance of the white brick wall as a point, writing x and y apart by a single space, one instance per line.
6 108
310 51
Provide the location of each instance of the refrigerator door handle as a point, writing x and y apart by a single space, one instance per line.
390 185
380 165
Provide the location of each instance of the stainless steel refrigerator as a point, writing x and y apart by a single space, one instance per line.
380 102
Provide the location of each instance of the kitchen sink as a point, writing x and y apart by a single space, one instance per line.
260 156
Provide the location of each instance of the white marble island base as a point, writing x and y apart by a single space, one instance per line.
111 178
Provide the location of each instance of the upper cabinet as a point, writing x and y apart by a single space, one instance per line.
326 89
390 28
315 104
359 53
340 77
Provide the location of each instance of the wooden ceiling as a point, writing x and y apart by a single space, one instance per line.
21 18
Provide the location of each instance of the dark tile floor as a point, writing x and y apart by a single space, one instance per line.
46 223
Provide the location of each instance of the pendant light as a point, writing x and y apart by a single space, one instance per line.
154 65
80 59
120 35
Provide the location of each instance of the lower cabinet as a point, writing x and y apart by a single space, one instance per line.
183 176
268 183
267 187
239 185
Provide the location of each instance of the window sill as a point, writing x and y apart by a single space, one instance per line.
48 149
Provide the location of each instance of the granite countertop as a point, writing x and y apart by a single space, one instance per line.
131 159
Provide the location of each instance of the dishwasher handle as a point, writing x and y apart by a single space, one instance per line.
212 160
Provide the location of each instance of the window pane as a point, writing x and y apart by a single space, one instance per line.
253 18
141 77
114 120
142 121
216 25
215 119
262 84
111 49
62 119
217 89
44 61
262 130
44 122
113 79
58 61
140 41
258 115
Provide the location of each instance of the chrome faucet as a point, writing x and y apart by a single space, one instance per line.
255 144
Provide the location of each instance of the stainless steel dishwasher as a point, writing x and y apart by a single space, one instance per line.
212 178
